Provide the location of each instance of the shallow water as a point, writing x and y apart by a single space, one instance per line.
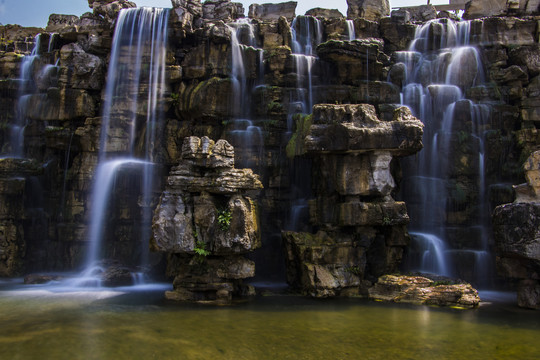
43 322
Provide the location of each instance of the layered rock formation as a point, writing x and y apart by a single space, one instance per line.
517 236
206 221
353 220
419 290
362 230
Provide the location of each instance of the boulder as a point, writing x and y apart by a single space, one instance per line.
321 265
109 9
80 70
423 291
325 13
273 11
422 13
58 22
33 279
360 130
484 8
222 10
368 9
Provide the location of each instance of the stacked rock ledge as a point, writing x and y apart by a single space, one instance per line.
206 220
352 150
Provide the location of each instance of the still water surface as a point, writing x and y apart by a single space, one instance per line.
40 322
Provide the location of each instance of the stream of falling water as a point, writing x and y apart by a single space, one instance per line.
439 71
134 90
245 134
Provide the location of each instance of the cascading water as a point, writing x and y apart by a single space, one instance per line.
245 134
350 30
440 67
27 86
307 34
134 92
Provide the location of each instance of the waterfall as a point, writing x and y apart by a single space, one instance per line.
307 33
27 85
245 134
441 66
350 30
131 106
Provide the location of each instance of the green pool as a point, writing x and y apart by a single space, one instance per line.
42 323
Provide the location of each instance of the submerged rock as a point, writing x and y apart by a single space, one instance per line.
423 291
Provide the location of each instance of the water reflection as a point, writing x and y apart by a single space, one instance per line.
126 324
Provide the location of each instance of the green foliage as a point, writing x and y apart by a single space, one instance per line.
274 107
200 251
295 147
224 219
463 136
386 220
355 270
175 99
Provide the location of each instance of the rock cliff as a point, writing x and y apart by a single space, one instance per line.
344 159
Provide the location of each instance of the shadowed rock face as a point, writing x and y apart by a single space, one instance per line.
517 238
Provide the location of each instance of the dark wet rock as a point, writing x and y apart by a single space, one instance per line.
33 279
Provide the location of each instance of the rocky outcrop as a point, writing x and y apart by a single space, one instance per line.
14 175
222 10
369 9
517 238
352 150
273 11
419 290
109 9
358 59
205 220
483 8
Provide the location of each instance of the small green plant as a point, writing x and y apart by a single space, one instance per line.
200 251
386 220
175 99
224 219
463 136
355 270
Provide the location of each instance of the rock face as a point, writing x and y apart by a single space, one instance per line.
273 11
423 291
352 150
517 236
205 221
369 9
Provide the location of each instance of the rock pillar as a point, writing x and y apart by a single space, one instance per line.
206 220
362 229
